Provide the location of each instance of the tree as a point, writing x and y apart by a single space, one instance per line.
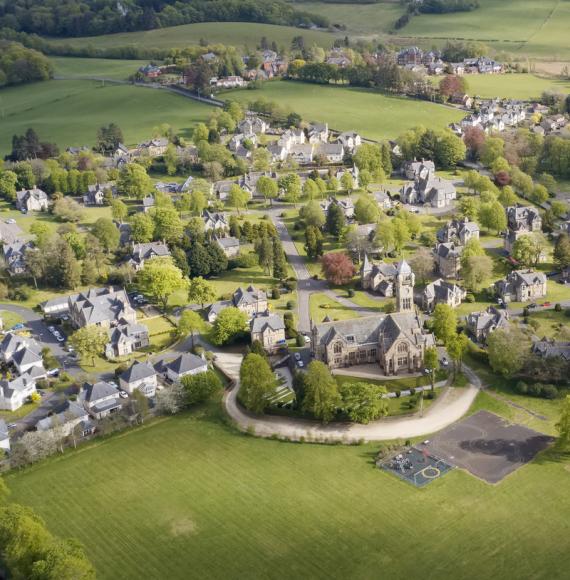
562 251
347 182
476 270
363 402
200 133
217 259
279 260
201 387
89 341
142 228
366 210
197 202
238 197
160 278
444 323
230 322
264 249
456 348
257 383
119 210
401 234
67 210
167 225
190 323
423 264
335 220
529 248
313 214
267 187
493 148
107 233
313 242
508 350
109 138
321 392
451 85
338 268
133 181
171 400
291 184
431 362
198 260
563 425
200 291
8 180
492 216
369 157
310 189
507 196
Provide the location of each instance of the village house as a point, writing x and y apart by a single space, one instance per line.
278 152
147 251
186 364
481 324
140 376
230 82
412 169
379 277
292 137
215 222
31 200
95 194
441 292
229 245
346 205
152 148
410 55
252 126
269 330
15 392
302 154
251 301
174 187
221 189
550 348
350 140
458 231
521 220
103 307
332 152
396 342
448 259
70 418
99 399
125 338
429 190
14 256
318 133
248 182
522 286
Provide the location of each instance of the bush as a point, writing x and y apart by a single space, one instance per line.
558 307
290 285
534 324
535 389
350 293
470 298
249 260
275 293
300 340
549 392
298 226
290 305
521 388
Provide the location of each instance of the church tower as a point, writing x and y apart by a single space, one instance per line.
405 280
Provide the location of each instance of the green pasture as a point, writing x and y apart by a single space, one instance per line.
95 67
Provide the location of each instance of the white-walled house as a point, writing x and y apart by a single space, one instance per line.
186 364
14 393
139 376
99 399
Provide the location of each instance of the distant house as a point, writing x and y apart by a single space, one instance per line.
332 152
140 376
153 148
278 152
216 222
230 246
412 169
379 277
522 286
221 189
103 307
521 220
345 204
448 259
251 301
269 330
143 252
350 140
292 137
550 348
72 417
318 133
302 154
29 361
230 82
148 203
252 126
95 194
441 292
32 200
481 324
126 338
186 364
429 190
15 392
458 231
14 255
99 399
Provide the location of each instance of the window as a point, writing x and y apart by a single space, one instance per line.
402 347
403 361
350 338
337 361
337 349
372 353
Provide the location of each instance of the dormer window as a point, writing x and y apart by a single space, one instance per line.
350 338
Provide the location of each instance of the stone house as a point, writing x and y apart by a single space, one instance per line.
251 301
411 169
103 307
214 221
379 277
147 251
14 256
550 348
95 194
332 152
427 189
396 342
99 399
522 286
302 154
252 126
269 330
481 324
350 140
125 339
346 205
72 417
229 245
521 220
32 200
186 364
15 392
441 292
458 231
448 259
140 376
318 133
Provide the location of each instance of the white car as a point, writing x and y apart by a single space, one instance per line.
11 221
444 362
53 373
300 363
123 394
51 329
307 339
297 356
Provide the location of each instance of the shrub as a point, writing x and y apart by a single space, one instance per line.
549 392
298 226
300 340
470 298
521 388
525 312
350 293
534 389
290 285
558 307
275 293
249 260
290 305
533 323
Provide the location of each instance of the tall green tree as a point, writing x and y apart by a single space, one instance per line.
133 181
257 383
431 362
230 323
161 278
444 322
190 323
322 398
363 402
89 341
200 291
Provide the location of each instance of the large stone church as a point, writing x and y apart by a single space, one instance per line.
397 342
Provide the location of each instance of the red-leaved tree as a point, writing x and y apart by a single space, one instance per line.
474 139
338 268
452 85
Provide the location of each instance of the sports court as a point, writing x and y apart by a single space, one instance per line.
488 446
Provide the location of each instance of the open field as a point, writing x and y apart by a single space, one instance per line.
372 114
245 34
95 67
189 493
515 86
322 305
70 112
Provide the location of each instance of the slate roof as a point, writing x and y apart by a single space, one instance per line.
71 410
93 392
185 363
551 348
261 323
101 304
148 250
9 233
138 371
26 356
248 296
228 242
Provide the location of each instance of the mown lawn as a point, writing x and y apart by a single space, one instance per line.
95 67
372 114
70 112
189 494
322 305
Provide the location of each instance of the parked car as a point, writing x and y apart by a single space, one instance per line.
10 221
532 305
53 373
297 356
123 394
546 304
444 362
300 363
18 326
51 329
307 339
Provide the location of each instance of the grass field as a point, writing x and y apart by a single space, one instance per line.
95 67
70 112
322 305
244 34
372 114
515 86
188 493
